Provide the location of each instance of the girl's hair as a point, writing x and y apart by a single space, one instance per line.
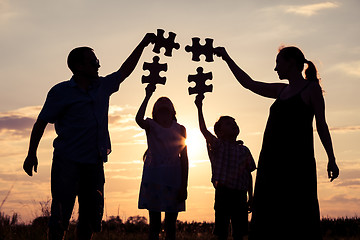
159 104
295 53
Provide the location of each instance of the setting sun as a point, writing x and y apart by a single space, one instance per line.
195 143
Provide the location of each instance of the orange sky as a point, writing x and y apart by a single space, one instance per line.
38 35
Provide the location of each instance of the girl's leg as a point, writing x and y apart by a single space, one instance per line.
155 225
170 225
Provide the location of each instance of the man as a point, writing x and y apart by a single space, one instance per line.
79 110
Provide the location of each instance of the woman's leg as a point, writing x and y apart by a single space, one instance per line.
170 225
155 225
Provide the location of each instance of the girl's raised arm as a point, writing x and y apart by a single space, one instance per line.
141 112
270 90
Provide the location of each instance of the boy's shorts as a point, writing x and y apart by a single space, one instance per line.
230 206
70 179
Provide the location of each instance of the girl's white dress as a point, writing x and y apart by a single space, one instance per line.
161 179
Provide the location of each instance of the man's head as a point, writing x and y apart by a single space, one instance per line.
226 128
83 61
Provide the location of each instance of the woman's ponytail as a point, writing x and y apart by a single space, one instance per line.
311 72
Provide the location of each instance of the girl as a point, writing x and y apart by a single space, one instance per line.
165 173
285 202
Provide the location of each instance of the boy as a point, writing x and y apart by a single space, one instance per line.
231 164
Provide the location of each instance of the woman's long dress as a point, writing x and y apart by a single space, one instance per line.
285 197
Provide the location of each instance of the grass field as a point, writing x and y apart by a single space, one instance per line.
136 228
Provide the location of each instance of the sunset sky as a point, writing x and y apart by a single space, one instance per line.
37 35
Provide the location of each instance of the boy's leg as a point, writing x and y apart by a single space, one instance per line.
64 182
170 225
155 225
222 221
91 200
222 217
239 215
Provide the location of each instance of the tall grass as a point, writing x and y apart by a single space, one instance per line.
136 228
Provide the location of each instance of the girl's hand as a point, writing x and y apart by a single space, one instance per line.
150 88
182 196
333 170
249 205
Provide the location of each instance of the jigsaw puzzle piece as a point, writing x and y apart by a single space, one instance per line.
168 43
199 79
154 68
197 49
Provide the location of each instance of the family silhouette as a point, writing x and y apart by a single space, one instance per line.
286 181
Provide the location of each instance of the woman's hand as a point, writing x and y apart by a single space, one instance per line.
221 52
333 170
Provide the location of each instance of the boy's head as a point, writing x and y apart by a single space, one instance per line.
226 128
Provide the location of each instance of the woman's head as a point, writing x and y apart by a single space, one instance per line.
163 106
296 56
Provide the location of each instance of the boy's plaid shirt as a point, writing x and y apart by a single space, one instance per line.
231 164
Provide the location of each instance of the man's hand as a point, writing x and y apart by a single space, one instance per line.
30 163
148 38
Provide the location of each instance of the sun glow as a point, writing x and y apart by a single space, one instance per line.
196 145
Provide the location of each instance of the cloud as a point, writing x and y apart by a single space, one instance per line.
349 68
345 129
343 199
18 122
311 9
349 183
7 12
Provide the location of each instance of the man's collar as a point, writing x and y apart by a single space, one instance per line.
72 82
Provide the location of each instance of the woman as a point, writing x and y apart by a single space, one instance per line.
285 197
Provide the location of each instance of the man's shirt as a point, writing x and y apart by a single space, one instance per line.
81 118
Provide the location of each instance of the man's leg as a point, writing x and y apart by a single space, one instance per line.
170 225
63 191
91 200
155 225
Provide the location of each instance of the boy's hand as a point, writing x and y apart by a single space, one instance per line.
150 88
198 100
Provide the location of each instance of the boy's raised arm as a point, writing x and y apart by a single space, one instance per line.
198 102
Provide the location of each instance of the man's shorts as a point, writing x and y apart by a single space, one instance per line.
70 179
